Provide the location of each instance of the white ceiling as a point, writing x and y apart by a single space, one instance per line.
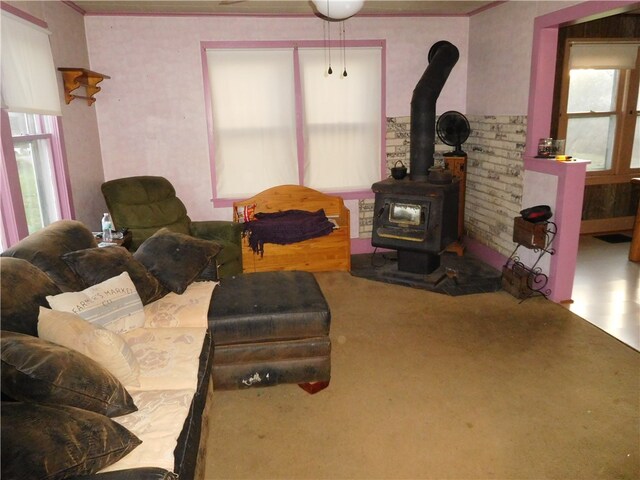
276 7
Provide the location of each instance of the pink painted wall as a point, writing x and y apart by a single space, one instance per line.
151 113
79 121
500 42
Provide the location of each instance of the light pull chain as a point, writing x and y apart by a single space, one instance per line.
344 54
327 47
330 71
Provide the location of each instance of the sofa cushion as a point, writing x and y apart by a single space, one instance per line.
95 265
104 346
57 442
188 309
158 423
176 259
168 357
23 289
44 248
39 371
113 304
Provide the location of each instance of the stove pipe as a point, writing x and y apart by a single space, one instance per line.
442 57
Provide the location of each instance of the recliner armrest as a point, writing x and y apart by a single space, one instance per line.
218 230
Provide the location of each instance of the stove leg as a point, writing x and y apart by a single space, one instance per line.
417 262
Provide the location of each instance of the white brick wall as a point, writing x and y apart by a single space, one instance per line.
494 176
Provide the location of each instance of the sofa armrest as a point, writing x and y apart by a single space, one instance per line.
144 473
218 230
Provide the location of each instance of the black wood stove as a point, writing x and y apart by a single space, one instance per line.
418 215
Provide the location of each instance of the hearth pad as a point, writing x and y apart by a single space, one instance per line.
457 275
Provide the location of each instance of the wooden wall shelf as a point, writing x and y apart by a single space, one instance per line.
75 78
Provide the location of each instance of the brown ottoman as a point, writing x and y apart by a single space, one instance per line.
269 328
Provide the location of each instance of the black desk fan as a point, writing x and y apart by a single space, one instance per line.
453 129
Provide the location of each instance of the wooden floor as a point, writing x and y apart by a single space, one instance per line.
606 289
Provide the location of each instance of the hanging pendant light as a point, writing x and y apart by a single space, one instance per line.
338 9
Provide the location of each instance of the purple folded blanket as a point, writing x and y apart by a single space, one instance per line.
289 226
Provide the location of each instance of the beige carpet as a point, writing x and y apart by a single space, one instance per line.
430 386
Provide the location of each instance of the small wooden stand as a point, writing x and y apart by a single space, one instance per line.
74 78
458 167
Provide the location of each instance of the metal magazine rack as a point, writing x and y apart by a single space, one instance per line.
524 281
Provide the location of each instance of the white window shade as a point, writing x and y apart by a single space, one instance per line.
342 132
254 127
620 56
29 82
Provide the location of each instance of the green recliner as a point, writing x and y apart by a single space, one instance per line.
145 204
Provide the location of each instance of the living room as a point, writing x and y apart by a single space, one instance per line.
151 118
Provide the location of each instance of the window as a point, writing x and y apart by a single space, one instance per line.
599 106
278 118
33 146
34 183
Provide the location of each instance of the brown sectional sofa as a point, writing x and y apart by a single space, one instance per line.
263 329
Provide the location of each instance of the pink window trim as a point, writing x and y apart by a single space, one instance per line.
297 86
14 219
13 214
351 194
63 180
23 15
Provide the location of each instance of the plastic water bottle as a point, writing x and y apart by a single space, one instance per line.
106 228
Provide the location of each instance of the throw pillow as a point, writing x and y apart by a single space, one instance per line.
24 287
35 370
57 442
95 265
44 247
113 304
176 259
104 346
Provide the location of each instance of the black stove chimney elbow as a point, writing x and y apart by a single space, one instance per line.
443 56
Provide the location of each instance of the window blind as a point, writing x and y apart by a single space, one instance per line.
254 123
29 82
278 118
616 56
341 120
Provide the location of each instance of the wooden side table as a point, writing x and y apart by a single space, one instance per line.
119 242
634 249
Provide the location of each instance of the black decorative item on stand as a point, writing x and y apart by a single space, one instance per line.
453 129
539 213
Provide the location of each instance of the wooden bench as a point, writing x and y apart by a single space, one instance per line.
326 253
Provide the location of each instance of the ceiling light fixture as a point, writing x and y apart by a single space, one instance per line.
336 10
